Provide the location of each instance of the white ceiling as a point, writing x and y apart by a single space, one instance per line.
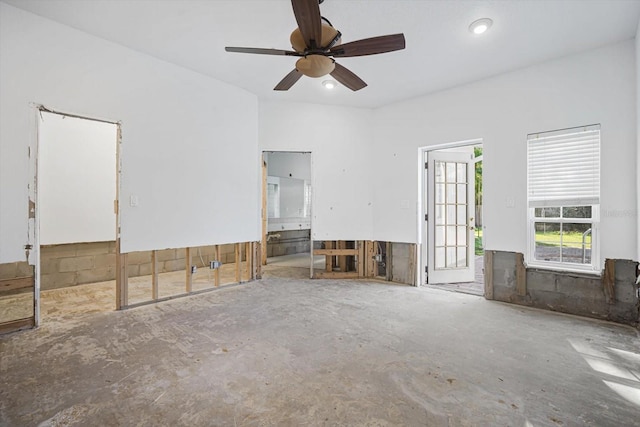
440 53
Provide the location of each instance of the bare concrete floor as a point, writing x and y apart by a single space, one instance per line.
474 288
316 352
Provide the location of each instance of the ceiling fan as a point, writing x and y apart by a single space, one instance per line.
317 43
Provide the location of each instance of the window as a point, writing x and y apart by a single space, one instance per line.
563 180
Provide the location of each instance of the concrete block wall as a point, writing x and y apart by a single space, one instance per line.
80 263
15 270
76 263
568 292
288 242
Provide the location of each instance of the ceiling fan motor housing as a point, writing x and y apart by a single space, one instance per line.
328 34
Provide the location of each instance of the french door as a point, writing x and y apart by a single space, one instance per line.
450 189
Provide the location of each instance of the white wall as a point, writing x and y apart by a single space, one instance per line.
76 179
185 137
289 165
340 140
597 86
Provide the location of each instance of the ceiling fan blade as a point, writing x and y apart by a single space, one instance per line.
262 51
289 80
347 78
370 46
307 13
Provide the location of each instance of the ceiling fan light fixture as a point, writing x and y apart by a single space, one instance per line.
329 84
315 65
480 26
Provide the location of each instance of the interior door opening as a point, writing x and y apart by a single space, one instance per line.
77 183
287 213
452 231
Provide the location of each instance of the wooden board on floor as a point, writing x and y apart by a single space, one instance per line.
521 275
361 257
609 280
187 267
488 275
238 261
342 259
122 277
216 272
17 325
329 258
248 256
154 275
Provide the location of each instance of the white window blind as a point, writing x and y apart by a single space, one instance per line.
563 167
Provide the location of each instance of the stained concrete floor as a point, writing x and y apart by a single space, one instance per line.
284 351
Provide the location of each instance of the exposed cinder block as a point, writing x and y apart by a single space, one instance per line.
105 260
569 292
541 280
133 270
57 280
139 257
101 274
16 269
93 248
504 260
76 264
49 265
173 265
580 287
9 270
227 249
59 251
24 269
166 255
626 292
145 269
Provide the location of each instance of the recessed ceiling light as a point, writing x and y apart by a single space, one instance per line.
329 84
480 26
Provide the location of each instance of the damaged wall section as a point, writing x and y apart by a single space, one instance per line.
614 296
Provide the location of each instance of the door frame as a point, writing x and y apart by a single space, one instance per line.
421 238
34 223
263 210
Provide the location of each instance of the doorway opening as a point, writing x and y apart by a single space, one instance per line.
77 220
451 231
287 195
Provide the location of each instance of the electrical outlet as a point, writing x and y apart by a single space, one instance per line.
194 269
214 264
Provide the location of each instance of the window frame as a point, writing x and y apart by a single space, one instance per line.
592 267
534 201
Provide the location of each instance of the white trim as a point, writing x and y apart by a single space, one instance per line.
37 109
422 209
34 227
313 196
